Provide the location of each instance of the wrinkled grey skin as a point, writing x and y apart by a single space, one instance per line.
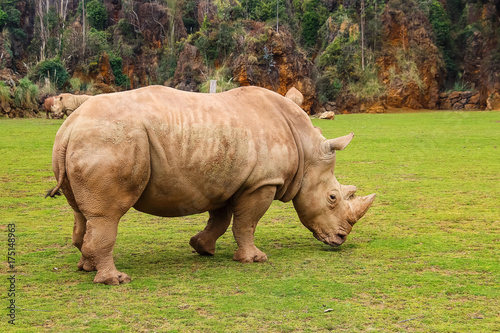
172 153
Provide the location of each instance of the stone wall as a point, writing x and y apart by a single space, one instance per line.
459 100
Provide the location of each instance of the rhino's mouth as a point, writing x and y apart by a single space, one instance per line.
332 240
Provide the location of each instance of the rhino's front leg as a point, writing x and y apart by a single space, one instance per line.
218 222
248 210
97 251
79 230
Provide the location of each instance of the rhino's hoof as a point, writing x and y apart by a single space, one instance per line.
255 255
202 246
112 278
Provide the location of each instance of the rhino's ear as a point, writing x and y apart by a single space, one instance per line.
328 146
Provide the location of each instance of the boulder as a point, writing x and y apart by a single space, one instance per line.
327 115
474 99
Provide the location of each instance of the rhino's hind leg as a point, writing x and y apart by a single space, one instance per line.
248 210
97 249
218 222
105 186
79 230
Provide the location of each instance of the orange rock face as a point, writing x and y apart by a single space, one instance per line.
271 60
409 65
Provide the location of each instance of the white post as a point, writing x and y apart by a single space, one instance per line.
213 86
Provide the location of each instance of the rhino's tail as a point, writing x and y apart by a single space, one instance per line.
61 165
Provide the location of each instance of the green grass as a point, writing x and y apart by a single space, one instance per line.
425 258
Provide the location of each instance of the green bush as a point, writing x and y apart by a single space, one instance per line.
441 26
224 81
52 69
166 66
76 84
263 10
369 86
25 94
310 27
97 14
97 42
225 41
5 96
207 47
117 66
342 54
3 18
408 70
13 15
329 86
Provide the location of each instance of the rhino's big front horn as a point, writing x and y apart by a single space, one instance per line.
360 205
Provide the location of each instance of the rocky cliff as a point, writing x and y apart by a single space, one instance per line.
408 62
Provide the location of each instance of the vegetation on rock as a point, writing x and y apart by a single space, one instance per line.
390 52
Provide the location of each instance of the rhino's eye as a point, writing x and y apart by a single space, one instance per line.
333 197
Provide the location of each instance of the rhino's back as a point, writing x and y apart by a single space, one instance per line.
203 148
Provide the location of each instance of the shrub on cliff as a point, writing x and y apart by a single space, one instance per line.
3 18
116 66
5 96
25 94
224 80
97 14
441 26
52 69
329 86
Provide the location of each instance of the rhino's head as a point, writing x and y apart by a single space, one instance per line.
324 206
57 107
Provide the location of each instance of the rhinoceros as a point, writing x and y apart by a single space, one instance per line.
65 104
173 153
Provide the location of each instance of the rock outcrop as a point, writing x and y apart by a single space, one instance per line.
190 68
271 60
410 61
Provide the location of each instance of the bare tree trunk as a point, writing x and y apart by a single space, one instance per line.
43 32
375 39
153 16
363 35
172 10
63 12
84 28
277 15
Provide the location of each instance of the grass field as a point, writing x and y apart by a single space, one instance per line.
425 258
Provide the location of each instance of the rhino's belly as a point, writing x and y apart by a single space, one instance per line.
181 197
171 210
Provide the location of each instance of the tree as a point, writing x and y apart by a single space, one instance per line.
310 27
363 35
97 14
441 27
3 18
42 11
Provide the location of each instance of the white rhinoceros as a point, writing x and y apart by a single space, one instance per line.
65 104
173 153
